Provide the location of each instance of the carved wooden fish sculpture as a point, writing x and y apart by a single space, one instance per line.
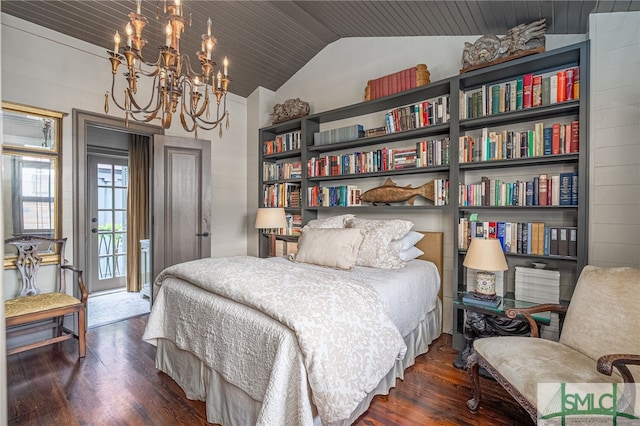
392 193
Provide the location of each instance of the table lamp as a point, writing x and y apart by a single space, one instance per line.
271 218
487 257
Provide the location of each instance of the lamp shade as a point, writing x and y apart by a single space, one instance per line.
271 217
486 255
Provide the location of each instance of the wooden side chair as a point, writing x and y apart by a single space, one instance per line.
33 310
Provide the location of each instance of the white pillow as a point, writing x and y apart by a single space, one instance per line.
406 242
334 248
329 222
375 251
410 254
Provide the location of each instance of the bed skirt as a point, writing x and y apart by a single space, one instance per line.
229 405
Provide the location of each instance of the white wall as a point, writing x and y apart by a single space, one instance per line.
337 76
50 70
615 139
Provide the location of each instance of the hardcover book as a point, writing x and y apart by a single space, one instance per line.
469 298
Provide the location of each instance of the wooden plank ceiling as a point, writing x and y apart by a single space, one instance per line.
269 41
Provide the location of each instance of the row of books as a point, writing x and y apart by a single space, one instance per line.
284 248
425 113
281 170
426 153
285 142
341 134
281 195
540 141
531 238
441 192
334 196
294 225
542 190
527 91
397 82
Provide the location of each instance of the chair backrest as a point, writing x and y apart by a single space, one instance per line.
603 316
29 260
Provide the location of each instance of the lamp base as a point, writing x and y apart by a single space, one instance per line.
486 285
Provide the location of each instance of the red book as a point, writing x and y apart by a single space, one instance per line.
562 86
412 77
569 78
549 192
407 79
575 136
555 139
527 90
567 138
542 190
493 230
385 87
576 83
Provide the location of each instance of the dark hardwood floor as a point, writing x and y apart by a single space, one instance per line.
118 384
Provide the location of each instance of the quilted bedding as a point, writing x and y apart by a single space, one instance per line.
347 341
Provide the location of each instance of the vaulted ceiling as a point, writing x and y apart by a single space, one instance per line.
269 41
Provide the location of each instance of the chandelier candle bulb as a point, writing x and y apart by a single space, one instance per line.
219 79
138 6
168 32
209 27
116 42
129 31
225 62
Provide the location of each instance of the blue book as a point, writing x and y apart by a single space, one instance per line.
565 189
530 236
547 134
546 241
471 299
574 188
501 233
529 193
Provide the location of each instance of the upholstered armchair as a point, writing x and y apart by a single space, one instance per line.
599 341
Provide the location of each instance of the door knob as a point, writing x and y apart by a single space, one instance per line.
94 230
204 234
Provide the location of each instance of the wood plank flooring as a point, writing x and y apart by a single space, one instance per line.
118 384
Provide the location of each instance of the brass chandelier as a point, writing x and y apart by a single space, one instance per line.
175 83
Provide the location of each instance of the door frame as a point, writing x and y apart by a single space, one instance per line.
82 120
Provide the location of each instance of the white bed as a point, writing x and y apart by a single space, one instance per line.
249 368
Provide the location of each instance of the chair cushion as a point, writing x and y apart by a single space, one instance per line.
526 361
41 302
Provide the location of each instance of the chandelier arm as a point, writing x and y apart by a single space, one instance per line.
184 123
155 67
153 95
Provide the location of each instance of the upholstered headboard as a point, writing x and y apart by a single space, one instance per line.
432 246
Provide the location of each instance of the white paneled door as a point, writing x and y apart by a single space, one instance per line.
181 201
108 179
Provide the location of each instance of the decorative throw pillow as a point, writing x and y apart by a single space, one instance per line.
329 222
375 251
334 248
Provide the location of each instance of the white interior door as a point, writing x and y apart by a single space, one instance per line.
107 222
181 201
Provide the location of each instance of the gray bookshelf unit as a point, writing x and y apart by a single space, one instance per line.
455 171
554 215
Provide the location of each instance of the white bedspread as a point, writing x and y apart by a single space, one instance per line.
347 341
